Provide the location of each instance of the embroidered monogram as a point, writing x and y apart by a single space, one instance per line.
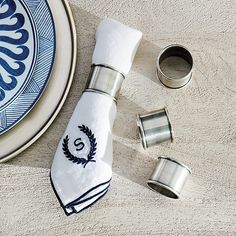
80 145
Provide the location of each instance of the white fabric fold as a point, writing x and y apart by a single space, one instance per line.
87 201
71 180
116 45
82 167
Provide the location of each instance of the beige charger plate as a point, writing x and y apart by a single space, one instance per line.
45 111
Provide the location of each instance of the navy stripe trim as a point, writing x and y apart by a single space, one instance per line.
86 199
74 210
59 200
72 206
83 195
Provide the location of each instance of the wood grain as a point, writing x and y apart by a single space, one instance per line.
203 116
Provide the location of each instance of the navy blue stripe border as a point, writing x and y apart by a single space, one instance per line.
72 207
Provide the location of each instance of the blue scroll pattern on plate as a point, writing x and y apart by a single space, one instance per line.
34 40
8 84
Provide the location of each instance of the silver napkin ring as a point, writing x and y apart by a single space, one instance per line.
154 127
106 80
177 51
169 177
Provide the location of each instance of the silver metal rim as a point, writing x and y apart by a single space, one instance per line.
186 78
170 126
110 67
177 162
141 132
166 187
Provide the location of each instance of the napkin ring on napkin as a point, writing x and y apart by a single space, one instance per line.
106 80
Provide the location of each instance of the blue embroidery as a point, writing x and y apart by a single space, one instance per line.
18 59
92 151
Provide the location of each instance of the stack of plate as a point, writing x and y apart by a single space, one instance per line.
37 63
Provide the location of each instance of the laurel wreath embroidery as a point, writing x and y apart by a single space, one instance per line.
92 152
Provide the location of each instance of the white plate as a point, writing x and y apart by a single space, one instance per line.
40 118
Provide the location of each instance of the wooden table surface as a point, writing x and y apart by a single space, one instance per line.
203 115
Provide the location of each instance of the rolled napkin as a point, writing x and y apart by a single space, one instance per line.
82 167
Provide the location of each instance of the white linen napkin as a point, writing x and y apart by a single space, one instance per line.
116 45
82 168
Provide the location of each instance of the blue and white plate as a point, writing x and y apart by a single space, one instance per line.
27 49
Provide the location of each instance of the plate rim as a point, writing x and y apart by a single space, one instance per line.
56 111
35 101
